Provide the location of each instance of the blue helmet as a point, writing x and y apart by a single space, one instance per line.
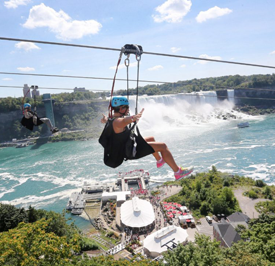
119 100
27 105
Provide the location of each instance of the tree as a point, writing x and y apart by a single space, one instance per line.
11 216
240 255
31 244
260 183
219 205
202 252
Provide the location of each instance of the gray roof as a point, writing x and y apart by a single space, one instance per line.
228 233
238 217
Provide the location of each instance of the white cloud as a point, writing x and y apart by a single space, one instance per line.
208 57
27 46
6 79
211 13
183 66
172 11
60 23
16 3
26 69
175 49
121 66
272 52
155 68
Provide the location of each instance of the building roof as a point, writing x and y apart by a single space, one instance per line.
137 213
118 195
161 240
238 217
227 233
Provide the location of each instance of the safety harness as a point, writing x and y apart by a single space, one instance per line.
127 50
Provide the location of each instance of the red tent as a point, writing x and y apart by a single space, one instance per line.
174 211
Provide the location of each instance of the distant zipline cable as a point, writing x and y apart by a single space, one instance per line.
186 94
143 81
149 53
76 77
201 86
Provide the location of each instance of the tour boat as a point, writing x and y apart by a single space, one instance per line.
243 124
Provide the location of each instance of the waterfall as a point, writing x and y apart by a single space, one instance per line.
168 112
231 95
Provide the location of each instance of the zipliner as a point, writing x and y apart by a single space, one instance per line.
118 134
30 119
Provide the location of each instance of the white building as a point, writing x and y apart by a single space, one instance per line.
164 239
26 91
79 89
35 91
137 213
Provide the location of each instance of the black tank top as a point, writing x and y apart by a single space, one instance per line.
114 145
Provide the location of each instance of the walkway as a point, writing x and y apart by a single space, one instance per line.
247 204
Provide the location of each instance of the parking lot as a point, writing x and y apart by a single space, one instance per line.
205 228
191 234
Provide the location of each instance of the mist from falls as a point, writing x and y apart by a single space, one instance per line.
164 113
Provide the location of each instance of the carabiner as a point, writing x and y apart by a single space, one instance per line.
127 61
138 57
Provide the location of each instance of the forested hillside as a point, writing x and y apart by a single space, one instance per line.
82 110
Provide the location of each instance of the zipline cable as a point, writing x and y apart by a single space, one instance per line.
202 86
185 94
78 77
149 53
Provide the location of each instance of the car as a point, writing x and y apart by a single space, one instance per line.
208 219
215 218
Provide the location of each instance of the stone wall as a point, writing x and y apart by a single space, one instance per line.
255 97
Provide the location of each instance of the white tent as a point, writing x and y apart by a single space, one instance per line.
137 213
184 209
161 240
183 218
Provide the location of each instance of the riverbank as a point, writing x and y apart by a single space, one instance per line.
254 111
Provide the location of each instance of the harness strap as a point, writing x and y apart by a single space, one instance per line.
34 88
127 49
110 115
23 100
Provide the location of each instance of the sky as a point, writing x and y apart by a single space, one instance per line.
232 30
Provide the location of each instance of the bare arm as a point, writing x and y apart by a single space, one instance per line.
104 119
122 122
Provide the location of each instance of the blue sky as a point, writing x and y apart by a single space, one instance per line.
233 30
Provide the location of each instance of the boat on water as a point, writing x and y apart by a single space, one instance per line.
22 145
72 201
79 205
243 124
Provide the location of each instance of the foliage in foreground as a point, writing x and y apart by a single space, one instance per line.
11 217
33 244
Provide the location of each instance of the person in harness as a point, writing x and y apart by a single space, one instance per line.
30 119
119 135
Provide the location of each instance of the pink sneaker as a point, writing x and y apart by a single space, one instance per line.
183 172
161 163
